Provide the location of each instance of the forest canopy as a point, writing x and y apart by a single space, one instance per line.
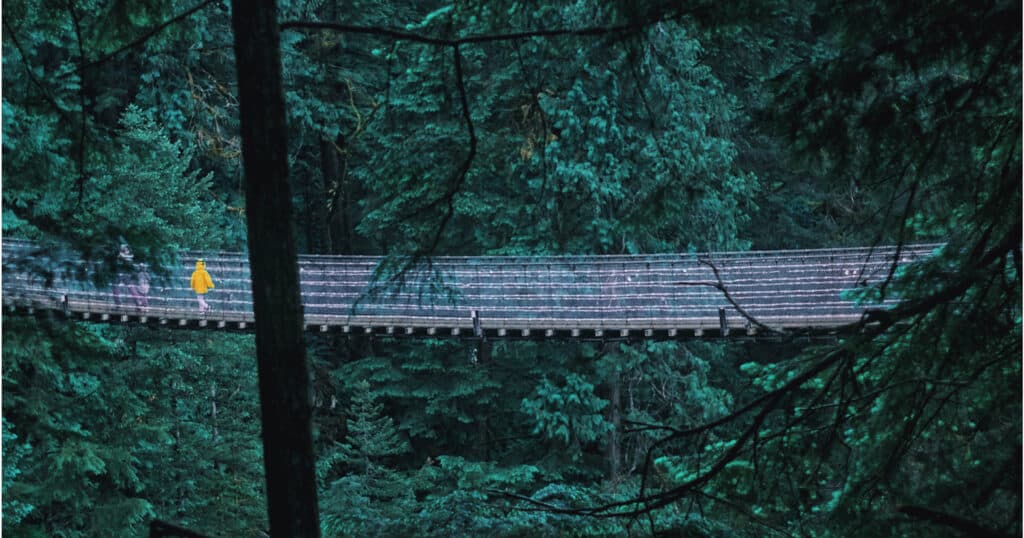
526 128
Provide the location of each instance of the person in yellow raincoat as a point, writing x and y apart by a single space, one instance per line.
201 283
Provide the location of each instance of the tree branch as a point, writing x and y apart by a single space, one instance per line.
969 528
460 176
402 35
43 91
643 502
720 286
146 36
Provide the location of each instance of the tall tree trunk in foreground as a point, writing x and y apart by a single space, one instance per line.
280 350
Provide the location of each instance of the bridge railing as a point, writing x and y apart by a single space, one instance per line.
83 286
780 288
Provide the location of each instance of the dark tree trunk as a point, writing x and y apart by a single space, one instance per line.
330 172
615 417
280 351
318 238
342 221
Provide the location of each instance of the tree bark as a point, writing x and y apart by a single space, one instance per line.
615 417
342 218
280 350
313 219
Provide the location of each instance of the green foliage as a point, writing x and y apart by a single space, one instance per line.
77 154
768 124
371 436
569 414
118 430
369 497
78 439
150 177
14 510
600 149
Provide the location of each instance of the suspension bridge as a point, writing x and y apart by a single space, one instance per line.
661 296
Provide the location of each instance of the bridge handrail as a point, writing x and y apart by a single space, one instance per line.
660 290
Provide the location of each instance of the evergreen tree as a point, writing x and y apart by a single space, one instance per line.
118 428
370 496
663 128
371 434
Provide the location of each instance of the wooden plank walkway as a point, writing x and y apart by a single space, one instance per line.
643 296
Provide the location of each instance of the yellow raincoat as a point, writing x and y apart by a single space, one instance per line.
201 282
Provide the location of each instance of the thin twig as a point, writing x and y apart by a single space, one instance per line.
460 176
720 286
402 35
44 92
147 35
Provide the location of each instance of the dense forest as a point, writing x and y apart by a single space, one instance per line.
525 127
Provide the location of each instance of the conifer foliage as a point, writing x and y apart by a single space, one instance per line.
528 128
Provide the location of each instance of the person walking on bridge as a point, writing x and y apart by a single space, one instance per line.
124 268
201 283
140 289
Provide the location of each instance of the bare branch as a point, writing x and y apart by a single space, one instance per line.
744 512
969 528
402 35
720 286
43 91
147 35
768 402
460 175
646 427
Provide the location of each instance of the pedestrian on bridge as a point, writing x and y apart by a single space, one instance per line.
140 289
201 283
124 268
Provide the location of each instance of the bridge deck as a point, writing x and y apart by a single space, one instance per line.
577 296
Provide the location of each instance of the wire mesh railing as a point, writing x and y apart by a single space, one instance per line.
784 289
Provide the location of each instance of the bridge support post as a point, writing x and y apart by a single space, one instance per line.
723 322
478 330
